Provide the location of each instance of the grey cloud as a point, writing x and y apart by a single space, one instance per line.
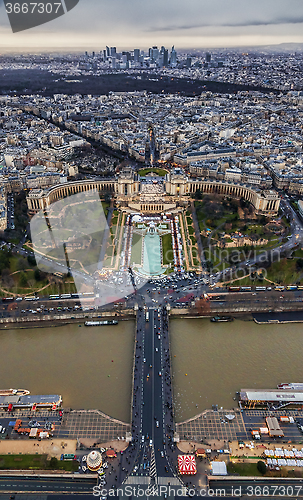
298 20
119 21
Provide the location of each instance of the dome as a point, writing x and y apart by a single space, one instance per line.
94 460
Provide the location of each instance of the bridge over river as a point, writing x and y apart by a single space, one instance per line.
150 458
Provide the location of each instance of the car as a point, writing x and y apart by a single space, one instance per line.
156 349
162 454
150 442
157 423
144 360
160 374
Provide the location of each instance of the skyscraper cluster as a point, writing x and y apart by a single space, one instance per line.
154 58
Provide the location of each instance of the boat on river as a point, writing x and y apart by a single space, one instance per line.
14 392
101 323
292 386
221 319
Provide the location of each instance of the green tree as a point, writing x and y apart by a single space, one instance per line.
37 275
23 280
21 264
53 463
261 466
299 264
198 194
31 260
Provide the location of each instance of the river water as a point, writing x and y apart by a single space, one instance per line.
91 367
222 358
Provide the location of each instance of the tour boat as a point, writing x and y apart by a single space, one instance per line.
219 319
100 323
292 386
14 392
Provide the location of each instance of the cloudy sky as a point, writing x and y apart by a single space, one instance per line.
92 24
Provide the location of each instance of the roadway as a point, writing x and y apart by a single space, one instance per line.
257 488
152 399
36 484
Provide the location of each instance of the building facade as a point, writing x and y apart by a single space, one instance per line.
156 194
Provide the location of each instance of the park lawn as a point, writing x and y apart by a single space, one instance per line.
283 272
298 253
136 249
167 250
159 171
107 261
38 462
14 263
196 262
250 469
243 469
285 221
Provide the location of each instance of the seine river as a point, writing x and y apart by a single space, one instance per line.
222 358
92 367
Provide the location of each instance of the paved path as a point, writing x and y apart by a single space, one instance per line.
105 238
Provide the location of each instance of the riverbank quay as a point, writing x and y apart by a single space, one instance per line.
278 317
67 425
217 429
63 319
50 447
261 312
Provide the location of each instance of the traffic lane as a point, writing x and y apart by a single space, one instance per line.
258 488
30 484
147 382
163 463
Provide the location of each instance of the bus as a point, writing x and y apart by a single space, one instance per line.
30 298
7 299
54 297
65 296
280 288
260 288
147 316
234 288
300 287
291 287
245 288
68 456
215 296
88 294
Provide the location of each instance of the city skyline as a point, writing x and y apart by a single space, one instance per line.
201 25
